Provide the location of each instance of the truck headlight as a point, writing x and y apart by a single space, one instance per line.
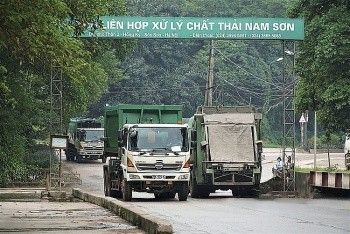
183 177
133 177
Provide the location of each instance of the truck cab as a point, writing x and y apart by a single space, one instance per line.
85 140
152 155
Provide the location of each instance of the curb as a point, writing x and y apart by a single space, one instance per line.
20 194
137 217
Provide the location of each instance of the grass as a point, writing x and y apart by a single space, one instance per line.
328 169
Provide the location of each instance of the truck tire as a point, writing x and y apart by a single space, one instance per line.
194 188
127 190
183 191
66 152
79 158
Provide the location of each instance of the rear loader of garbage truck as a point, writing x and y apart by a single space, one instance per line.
84 139
226 150
148 148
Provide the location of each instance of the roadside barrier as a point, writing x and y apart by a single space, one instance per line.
127 211
339 180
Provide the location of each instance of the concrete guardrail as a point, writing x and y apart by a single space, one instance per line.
135 216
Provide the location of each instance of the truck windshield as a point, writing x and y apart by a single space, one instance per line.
152 139
91 134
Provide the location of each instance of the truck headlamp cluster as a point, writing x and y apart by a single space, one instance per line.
183 177
133 177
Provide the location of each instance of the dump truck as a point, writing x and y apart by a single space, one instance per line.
226 150
85 139
148 150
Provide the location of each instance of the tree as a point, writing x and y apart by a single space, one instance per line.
34 36
323 62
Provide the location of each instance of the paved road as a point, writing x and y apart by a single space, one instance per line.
222 213
60 217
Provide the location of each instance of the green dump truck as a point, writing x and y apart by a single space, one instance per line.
85 139
226 150
149 152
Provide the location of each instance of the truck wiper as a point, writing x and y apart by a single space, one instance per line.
165 149
160 149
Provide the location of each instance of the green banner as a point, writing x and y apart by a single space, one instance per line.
200 28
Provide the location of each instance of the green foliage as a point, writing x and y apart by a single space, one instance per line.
332 168
323 62
334 142
35 35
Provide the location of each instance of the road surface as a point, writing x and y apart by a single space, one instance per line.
222 213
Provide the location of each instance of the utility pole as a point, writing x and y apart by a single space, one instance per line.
209 85
315 140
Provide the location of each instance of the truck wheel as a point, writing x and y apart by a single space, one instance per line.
194 189
183 191
79 158
127 190
66 152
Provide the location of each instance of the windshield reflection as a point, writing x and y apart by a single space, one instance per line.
152 139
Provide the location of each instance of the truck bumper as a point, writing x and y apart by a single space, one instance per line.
223 174
168 177
91 154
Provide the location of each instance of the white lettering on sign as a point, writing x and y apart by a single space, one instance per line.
160 25
112 24
137 25
283 27
257 26
176 26
200 25
230 26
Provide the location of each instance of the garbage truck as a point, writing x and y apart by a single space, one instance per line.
148 150
226 150
85 139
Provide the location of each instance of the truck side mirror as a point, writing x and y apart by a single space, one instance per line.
103 138
120 138
120 135
259 146
204 144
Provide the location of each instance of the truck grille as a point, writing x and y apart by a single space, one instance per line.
242 178
158 166
93 150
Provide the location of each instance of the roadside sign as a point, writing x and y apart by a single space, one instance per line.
302 119
199 28
58 141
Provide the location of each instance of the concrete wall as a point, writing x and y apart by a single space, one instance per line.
301 184
145 221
